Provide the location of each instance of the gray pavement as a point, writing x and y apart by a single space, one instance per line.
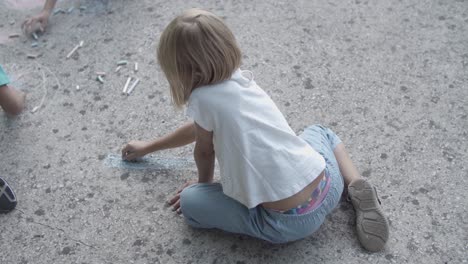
390 77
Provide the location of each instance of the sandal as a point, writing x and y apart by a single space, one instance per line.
7 197
371 224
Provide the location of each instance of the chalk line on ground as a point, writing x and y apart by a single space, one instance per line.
149 163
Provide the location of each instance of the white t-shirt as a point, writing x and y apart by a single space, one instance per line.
260 157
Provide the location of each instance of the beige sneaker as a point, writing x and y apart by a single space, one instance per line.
371 224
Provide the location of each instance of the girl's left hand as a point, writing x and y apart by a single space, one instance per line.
175 201
37 23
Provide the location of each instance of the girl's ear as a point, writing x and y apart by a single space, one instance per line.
196 78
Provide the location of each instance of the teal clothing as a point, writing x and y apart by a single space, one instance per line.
4 80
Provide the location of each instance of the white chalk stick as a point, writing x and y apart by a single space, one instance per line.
73 51
136 66
124 91
35 109
133 86
101 73
77 87
118 68
34 35
59 10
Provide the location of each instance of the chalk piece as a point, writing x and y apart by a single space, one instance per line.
58 10
14 35
124 91
77 87
136 66
12 22
118 68
133 86
34 35
70 10
35 109
101 73
100 79
34 44
122 62
75 49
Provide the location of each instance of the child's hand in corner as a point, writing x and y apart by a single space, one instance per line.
135 149
37 23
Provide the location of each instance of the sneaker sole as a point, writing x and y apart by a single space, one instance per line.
371 224
7 197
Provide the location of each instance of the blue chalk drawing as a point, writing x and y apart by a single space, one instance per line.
149 163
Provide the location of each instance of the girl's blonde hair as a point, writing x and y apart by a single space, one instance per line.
196 49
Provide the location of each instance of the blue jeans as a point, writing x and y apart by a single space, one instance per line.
204 205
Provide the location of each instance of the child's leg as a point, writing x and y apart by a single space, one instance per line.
324 141
204 205
371 224
11 100
347 168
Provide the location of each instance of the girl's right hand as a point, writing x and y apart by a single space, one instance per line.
135 149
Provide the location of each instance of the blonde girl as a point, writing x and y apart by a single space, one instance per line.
275 185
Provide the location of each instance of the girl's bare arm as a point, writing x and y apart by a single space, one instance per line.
182 136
